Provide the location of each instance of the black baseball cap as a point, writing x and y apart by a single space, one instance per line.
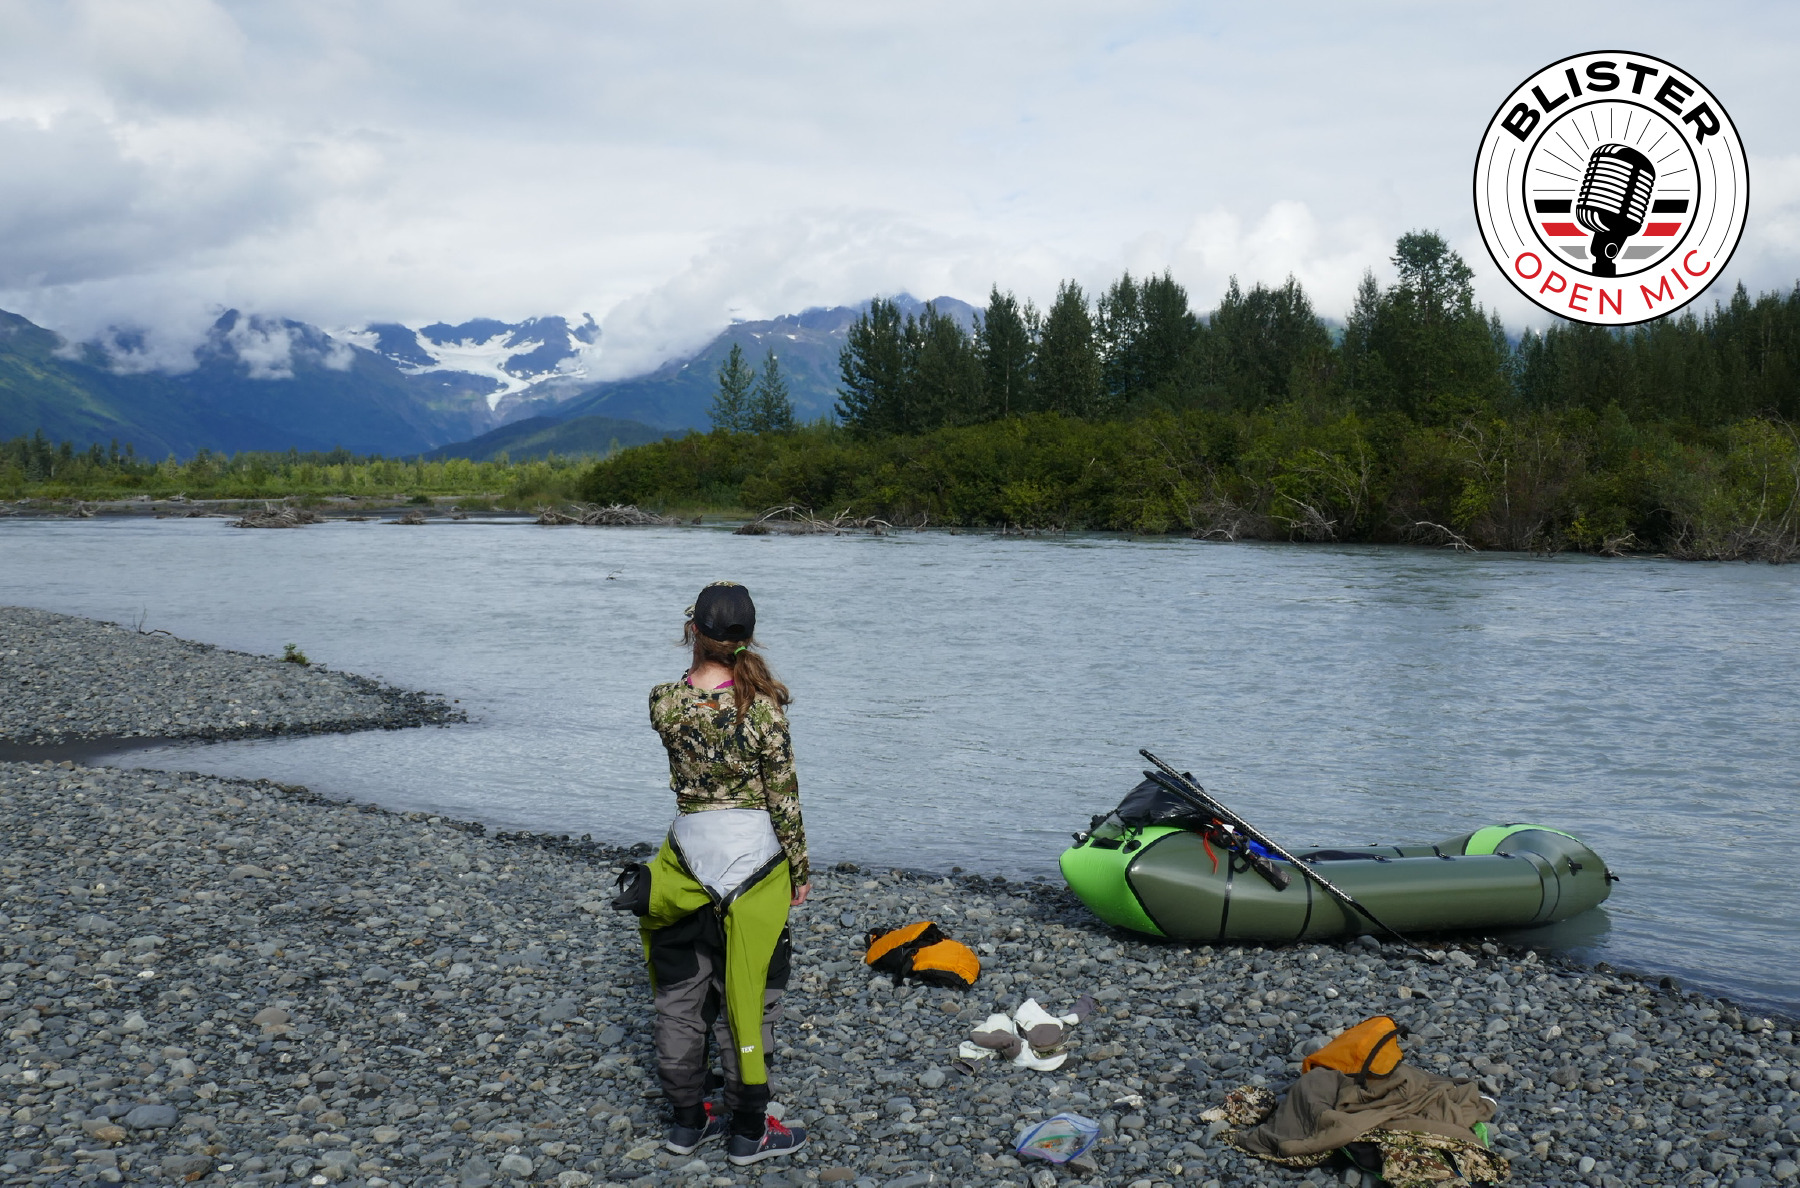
724 611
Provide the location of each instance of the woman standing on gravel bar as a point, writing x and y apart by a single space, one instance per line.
715 920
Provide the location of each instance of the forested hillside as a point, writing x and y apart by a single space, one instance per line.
1420 422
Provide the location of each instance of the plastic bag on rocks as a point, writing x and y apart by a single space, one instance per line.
1059 1139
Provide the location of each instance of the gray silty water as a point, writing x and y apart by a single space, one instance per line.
967 700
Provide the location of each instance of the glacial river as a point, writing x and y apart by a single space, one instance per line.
968 700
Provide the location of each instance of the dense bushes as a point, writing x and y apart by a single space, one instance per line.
34 466
1562 479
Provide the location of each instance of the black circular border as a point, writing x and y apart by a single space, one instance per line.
1475 183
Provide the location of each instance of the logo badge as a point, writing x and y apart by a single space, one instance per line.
1611 188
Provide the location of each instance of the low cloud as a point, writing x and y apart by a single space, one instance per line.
673 167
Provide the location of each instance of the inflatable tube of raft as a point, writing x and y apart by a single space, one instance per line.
1166 880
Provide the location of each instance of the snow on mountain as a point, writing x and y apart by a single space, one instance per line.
516 360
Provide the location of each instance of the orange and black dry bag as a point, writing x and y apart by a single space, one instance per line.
923 953
1370 1049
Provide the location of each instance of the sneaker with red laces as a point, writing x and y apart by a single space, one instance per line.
776 1140
685 1140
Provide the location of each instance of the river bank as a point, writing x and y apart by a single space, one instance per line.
236 982
327 508
68 679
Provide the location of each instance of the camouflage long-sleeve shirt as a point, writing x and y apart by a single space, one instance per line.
715 762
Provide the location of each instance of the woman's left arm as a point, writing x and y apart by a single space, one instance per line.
782 786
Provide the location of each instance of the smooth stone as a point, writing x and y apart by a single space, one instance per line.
152 1117
477 1173
183 1167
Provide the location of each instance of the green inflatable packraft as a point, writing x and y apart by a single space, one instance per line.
1174 880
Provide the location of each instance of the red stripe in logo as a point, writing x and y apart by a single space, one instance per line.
1568 229
1662 228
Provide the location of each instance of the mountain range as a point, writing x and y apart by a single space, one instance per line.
473 389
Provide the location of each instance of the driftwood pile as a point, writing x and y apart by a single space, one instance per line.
794 521
617 515
277 517
415 516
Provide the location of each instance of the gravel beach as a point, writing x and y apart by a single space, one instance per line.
221 981
64 678
233 982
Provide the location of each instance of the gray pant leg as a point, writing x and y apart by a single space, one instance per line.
728 1053
681 1024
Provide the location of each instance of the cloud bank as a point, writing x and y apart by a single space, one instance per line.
670 167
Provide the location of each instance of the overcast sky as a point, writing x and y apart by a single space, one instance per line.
669 166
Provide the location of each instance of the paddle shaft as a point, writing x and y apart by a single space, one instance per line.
1184 786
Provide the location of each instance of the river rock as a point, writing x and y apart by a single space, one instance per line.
152 1117
69 678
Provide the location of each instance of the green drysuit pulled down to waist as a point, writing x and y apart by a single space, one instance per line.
751 919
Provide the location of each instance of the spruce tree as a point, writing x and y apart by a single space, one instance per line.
873 370
1068 359
1170 330
944 381
1258 339
1365 376
731 407
1120 330
770 410
1431 336
1006 337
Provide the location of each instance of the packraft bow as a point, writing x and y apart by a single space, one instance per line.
1158 864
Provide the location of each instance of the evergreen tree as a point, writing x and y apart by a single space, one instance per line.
731 406
1006 335
1068 358
1168 332
1432 339
944 383
1147 337
1257 340
770 410
872 366
1365 375
1120 331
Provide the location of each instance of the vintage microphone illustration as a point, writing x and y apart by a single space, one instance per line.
1615 194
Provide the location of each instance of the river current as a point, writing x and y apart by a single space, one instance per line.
969 700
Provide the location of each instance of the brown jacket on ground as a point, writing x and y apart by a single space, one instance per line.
1326 1109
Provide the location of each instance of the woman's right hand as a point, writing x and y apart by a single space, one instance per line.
800 894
